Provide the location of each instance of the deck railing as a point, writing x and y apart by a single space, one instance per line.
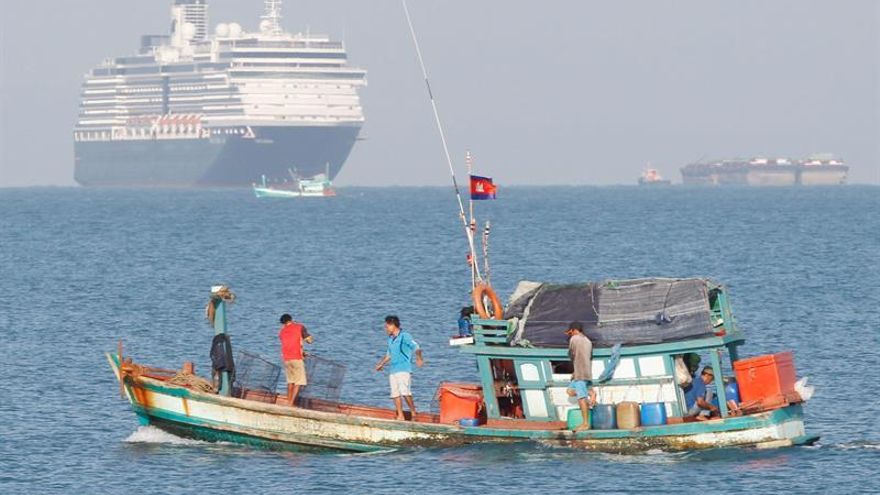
491 332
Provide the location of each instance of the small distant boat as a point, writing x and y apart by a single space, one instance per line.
651 177
317 187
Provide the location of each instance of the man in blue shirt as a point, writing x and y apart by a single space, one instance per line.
699 396
401 351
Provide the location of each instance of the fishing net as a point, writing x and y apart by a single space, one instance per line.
256 378
325 378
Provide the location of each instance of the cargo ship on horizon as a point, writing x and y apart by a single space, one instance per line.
193 109
817 170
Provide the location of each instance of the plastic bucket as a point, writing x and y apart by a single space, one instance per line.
575 418
653 414
603 417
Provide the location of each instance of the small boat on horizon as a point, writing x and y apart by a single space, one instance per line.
318 186
651 177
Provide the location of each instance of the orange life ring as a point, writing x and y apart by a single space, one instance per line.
481 291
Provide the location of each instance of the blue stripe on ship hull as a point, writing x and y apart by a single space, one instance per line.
220 161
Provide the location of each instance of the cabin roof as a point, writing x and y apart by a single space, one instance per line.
630 312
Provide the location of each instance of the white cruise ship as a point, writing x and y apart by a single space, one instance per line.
222 109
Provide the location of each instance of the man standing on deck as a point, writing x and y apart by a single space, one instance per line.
401 349
580 351
292 336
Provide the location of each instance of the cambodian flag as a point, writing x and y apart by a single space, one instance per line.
482 188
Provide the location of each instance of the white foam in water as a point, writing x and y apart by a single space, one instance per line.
151 434
861 444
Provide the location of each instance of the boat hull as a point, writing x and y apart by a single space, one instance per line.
225 160
210 417
268 192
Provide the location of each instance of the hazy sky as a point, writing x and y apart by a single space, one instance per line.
542 92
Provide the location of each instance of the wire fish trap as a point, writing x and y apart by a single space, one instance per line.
325 378
256 378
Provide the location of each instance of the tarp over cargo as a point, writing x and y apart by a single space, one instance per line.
643 311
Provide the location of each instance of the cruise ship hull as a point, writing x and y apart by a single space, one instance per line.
225 160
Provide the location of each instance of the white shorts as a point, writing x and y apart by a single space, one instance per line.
400 384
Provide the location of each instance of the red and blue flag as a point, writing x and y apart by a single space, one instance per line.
482 188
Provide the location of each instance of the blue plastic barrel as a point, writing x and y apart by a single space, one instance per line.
731 391
469 422
603 417
653 414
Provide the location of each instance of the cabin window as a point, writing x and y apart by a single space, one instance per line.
725 373
562 367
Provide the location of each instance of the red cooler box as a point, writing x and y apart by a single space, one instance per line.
762 377
460 401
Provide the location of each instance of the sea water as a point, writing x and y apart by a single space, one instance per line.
82 268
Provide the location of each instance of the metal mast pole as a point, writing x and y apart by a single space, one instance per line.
472 224
272 14
220 328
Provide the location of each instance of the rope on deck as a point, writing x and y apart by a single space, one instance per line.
191 381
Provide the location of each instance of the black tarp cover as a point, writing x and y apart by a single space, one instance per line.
643 311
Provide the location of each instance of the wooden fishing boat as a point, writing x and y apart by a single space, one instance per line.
318 186
520 397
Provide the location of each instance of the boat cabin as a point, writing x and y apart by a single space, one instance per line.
524 364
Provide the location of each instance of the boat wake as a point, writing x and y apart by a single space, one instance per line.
153 435
857 445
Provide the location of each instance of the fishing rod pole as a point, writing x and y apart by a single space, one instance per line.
462 215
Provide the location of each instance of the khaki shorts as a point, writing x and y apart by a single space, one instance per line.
295 369
400 384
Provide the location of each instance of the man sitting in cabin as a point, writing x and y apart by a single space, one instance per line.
580 351
699 397
401 349
292 336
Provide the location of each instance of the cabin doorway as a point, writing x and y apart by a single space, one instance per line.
506 389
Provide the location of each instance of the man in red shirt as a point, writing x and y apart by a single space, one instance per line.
292 336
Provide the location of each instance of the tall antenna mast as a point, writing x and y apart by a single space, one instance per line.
472 222
464 220
271 17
